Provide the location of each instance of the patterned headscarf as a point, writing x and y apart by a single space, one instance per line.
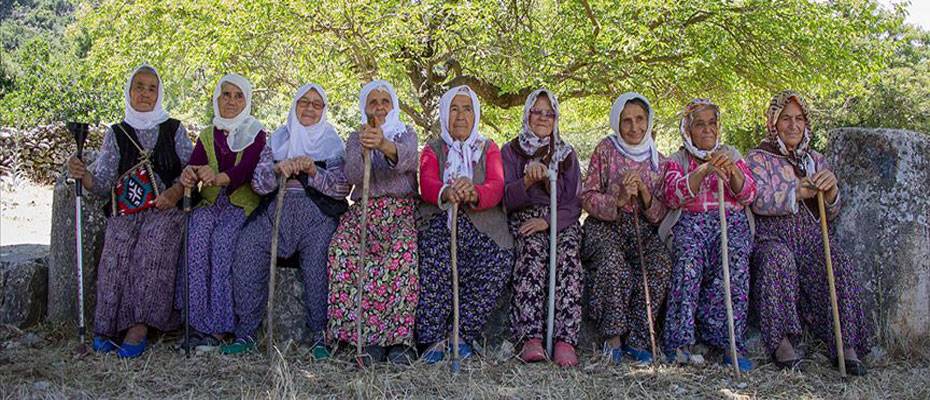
532 144
686 118
800 157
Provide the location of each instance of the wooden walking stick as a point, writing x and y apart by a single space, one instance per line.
79 131
725 255
456 362
269 311
642 269
363 252
837 332
186 204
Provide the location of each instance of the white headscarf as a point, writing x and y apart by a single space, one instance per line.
243 128
392 127
462 154
695 105
149 119
529 142
646 149
318 141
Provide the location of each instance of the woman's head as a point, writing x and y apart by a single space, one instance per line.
702 125
542 116
144 89
309 108
634 121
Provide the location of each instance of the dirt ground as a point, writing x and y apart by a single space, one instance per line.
25 212
40 363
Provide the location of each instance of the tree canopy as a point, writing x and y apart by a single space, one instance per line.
737 53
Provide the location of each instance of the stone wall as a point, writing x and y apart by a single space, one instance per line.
885 223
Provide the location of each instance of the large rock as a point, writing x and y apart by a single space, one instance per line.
289 316
885 223
23 284
62 266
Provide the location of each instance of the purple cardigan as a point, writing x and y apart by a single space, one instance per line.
518 197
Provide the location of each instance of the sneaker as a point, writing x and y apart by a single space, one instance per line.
533 351
239 346
131 350
641 356
565 355
401 355
745 365
103 345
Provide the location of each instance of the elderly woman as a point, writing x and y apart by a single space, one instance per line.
789 276
460 167
696 304
624 182
309 153
391 285
527 158
224 160
145 153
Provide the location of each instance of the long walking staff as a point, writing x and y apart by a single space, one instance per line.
79 131
837 333
642 270
456 361
725 255
553 253
186 204
269 311
363 252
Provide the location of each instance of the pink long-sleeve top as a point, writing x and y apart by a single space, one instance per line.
604 183
490 192
678 193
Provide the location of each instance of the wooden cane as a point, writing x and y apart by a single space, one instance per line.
362 253
186 205
279 205
642 269
453 245
725 255
837 332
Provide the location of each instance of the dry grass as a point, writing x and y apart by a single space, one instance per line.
43 367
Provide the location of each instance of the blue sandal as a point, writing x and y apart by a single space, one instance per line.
103 345
131 350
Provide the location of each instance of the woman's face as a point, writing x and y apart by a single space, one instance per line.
461 117
143 91
791 125
231 101
309 108
704 129
378 106
634 122
542 117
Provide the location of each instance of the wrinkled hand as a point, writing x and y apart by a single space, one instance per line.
533 225
460 191
189 176
722 165
206 175
287 168
76 168
371 138
535 172
306 165
167 199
